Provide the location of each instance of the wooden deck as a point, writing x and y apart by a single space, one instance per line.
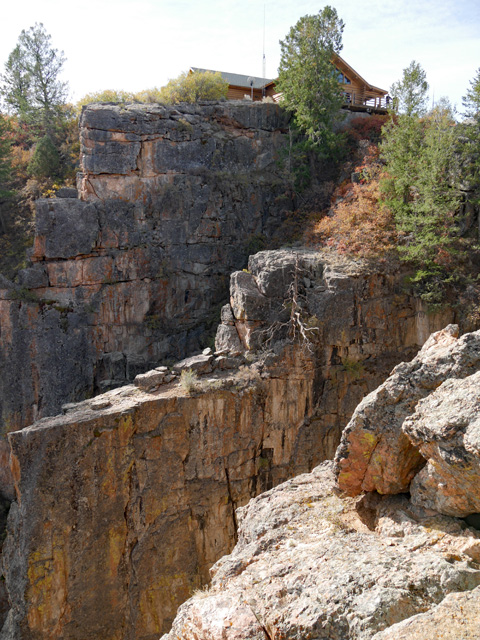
369 103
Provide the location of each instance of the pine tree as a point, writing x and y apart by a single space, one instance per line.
410 93
307 78
5 171
471 140
31 86
421 191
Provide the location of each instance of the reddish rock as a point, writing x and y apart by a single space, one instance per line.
374 453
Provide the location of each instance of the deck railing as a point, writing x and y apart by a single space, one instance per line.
368 101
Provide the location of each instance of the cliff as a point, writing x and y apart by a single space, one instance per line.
312 562
124 502
133 272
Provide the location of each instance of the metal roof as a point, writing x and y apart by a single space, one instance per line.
237 79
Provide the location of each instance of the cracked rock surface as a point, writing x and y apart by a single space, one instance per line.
375 453
134 270
311 564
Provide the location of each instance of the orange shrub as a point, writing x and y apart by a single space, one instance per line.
358 224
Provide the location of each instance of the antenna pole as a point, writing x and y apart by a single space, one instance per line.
264 59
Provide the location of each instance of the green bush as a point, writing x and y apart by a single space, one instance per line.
45 162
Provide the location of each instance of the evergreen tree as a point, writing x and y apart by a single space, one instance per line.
45 162
5 158
470 132
5 171
420 189
15 89
410 93
471 101
31 87
307 79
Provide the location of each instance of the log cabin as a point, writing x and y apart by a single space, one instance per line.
359 94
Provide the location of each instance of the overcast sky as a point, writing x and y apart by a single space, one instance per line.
135 45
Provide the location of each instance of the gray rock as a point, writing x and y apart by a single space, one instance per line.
226 315
149 380
33 278
136 264
226 339
66 192
70 227
445 428
306 565
246 300
199 364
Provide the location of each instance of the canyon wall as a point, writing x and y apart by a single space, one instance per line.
134 270
395 555
124 503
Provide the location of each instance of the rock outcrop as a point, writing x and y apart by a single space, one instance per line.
124 503
422 412
312 562
171 201
446 430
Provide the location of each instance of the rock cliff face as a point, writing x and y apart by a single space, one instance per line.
123 503
311 562
171 200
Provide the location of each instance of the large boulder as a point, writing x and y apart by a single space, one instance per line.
446 430
375 454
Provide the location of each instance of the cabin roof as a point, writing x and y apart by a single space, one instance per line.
238 79
341 63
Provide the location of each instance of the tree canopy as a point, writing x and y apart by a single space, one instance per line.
307 78
471 138
5 158
191 87
410 93
31 85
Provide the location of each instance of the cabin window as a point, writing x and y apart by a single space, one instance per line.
341 78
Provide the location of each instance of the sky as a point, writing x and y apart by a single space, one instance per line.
135 45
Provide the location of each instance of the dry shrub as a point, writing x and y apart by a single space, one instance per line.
189 380
358 224
367 128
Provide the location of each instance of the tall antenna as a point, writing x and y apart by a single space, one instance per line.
264 71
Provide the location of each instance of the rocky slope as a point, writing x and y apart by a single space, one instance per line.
312 562
170 202
123 503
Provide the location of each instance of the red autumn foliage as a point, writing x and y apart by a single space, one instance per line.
367 128
358 224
